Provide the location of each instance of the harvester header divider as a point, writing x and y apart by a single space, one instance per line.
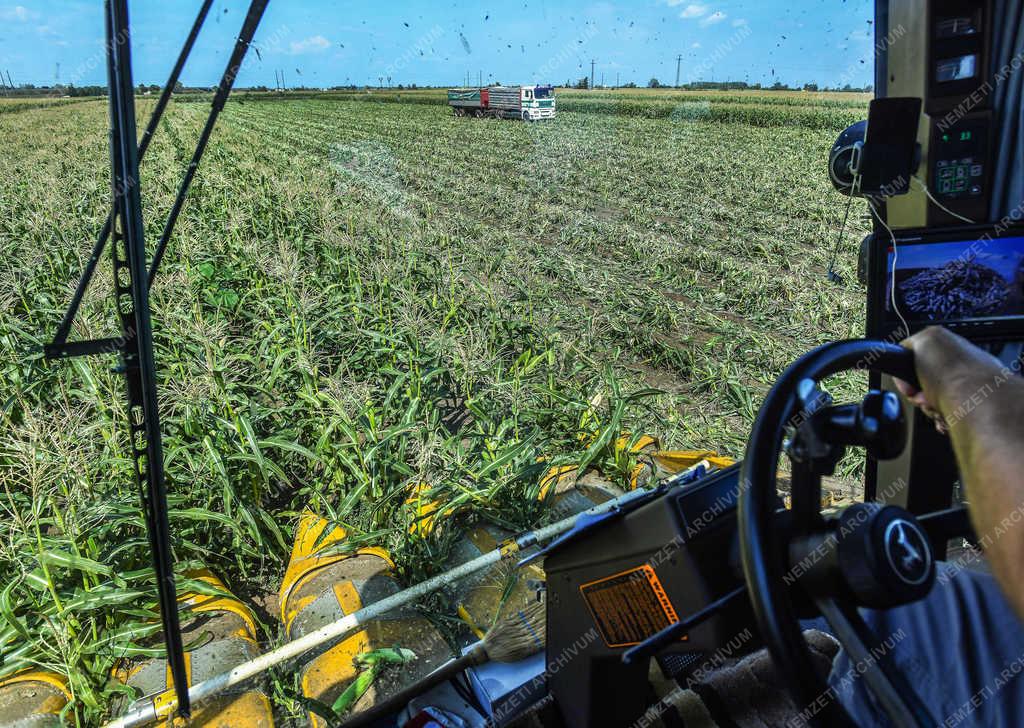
149 712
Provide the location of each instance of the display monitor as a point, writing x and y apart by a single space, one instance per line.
972 280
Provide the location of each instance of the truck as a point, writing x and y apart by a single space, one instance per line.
529 103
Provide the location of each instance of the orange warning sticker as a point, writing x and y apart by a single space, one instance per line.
629 606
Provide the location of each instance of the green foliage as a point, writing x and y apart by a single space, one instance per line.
361 298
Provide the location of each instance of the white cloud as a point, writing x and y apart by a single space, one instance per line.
314 43
18 12
716 17
696 45
739 22
693 11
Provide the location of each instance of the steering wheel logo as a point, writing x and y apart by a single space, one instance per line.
907 551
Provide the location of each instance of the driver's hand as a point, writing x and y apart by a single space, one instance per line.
948 368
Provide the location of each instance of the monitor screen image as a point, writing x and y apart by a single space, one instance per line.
957 281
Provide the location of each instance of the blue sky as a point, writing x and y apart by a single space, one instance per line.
324 43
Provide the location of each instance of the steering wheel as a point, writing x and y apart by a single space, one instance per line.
799 562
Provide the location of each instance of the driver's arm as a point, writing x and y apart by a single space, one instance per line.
981 404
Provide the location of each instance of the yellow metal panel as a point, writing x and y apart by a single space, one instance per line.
204 603
309 540
49 678
348 597
676 461
908 26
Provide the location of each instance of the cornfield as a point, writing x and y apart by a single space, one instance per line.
364 297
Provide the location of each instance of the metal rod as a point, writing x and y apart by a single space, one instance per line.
90 266
252 21
240 673
129 253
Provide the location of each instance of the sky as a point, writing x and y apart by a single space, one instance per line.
324 43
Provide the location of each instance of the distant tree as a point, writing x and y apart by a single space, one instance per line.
654 83
631 84
779 86
810 87
179 88
583 82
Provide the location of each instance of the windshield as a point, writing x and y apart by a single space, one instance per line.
392 307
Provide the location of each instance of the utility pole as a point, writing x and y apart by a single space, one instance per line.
283 86
592 73
56 76
479 78
616 79
602 79
679 62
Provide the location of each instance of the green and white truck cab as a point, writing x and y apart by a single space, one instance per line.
529 103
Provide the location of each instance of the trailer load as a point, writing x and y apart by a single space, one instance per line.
529 103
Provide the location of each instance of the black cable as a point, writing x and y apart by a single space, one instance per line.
832 275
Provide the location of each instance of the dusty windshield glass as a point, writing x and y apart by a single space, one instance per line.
402 314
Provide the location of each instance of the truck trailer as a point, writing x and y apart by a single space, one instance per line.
529 103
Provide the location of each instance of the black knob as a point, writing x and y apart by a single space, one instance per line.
883 424
876 424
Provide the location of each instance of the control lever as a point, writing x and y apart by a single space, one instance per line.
877 424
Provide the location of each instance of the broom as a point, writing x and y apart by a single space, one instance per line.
516 637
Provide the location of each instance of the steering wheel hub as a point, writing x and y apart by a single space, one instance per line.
868 555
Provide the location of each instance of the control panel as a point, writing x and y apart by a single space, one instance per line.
959 106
